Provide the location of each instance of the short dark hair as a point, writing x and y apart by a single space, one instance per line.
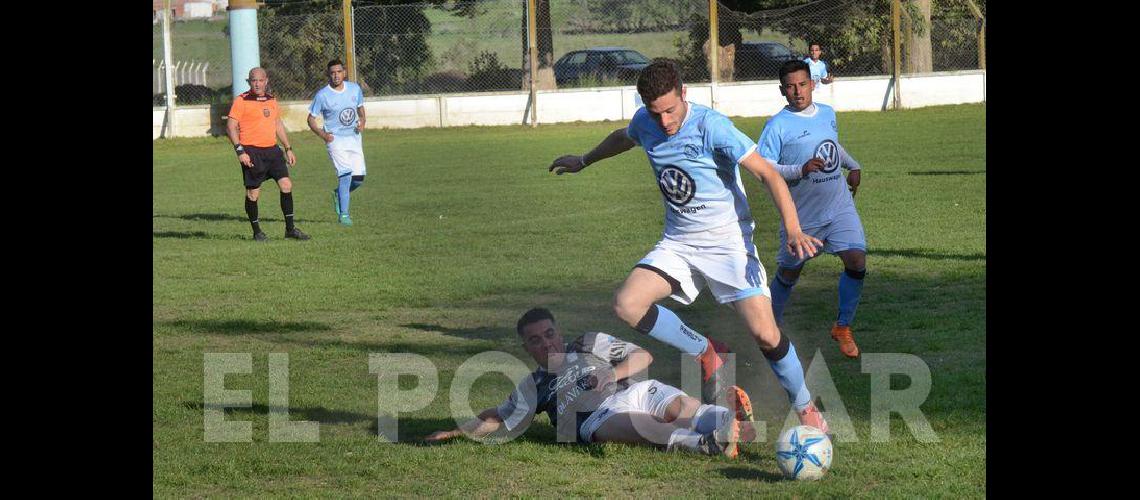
334 62
815 43
533 316
792 67
658 79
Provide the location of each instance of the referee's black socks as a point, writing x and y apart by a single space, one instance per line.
287 210
251 211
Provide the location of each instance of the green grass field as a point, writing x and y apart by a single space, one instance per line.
459 231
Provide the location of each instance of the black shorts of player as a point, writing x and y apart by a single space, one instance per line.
268 163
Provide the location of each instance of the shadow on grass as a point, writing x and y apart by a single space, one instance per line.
316 414
750 474
924 254
200 235
397 347
497 334
226 217
946 172
245 326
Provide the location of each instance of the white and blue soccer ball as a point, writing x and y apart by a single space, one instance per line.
803 453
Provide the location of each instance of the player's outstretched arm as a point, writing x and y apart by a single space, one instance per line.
853 176
487 422
614 144
799 244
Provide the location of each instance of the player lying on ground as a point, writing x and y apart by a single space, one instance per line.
588 380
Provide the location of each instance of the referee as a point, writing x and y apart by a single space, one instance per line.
253 123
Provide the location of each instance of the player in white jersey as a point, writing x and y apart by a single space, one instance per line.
803 141
341 106
694 152
590 387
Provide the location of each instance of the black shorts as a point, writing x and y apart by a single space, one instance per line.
268 163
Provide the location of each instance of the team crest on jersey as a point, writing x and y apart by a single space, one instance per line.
676 185
692 151
265 112
347 115
828 151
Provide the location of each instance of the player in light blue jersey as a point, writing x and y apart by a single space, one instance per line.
803 141
341 106
818 67
694 153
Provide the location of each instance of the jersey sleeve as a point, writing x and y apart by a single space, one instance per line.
770 143
726 139
315 109
519 406
236 108
631 131
611 349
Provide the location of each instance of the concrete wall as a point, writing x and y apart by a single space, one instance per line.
762 98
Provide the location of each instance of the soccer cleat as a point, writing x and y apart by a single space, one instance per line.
712 364
847 346
345 220
722 441
336 202
812 417
739 403
296 234
260 236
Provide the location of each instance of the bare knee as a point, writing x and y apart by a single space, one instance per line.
629 309
252 194
285 184
855 260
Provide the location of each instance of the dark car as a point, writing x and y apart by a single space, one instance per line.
762 60
600 63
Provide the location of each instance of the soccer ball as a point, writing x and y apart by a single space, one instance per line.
803 453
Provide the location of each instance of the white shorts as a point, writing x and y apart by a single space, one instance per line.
347 155
649 396
731 268
844 232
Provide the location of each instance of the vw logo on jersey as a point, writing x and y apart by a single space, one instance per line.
676 185
347 115
828 151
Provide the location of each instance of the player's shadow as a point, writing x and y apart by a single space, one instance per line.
494 334
393 347
199 235
225 217
748 474
924 254
946 172
245 326
412 431
318 414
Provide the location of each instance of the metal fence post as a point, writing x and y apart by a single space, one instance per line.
532 44
896 10
166 44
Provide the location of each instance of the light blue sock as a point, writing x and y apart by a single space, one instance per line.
342 191
850 290
669 329
781 291
791 375
708 417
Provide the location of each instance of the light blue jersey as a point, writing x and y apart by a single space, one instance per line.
793 138
338 109
696 170
818 69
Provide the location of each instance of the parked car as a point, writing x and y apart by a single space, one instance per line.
600 63
762 60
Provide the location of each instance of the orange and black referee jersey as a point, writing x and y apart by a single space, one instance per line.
257 119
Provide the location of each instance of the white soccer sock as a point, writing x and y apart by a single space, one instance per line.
671 330
684 438
708 418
